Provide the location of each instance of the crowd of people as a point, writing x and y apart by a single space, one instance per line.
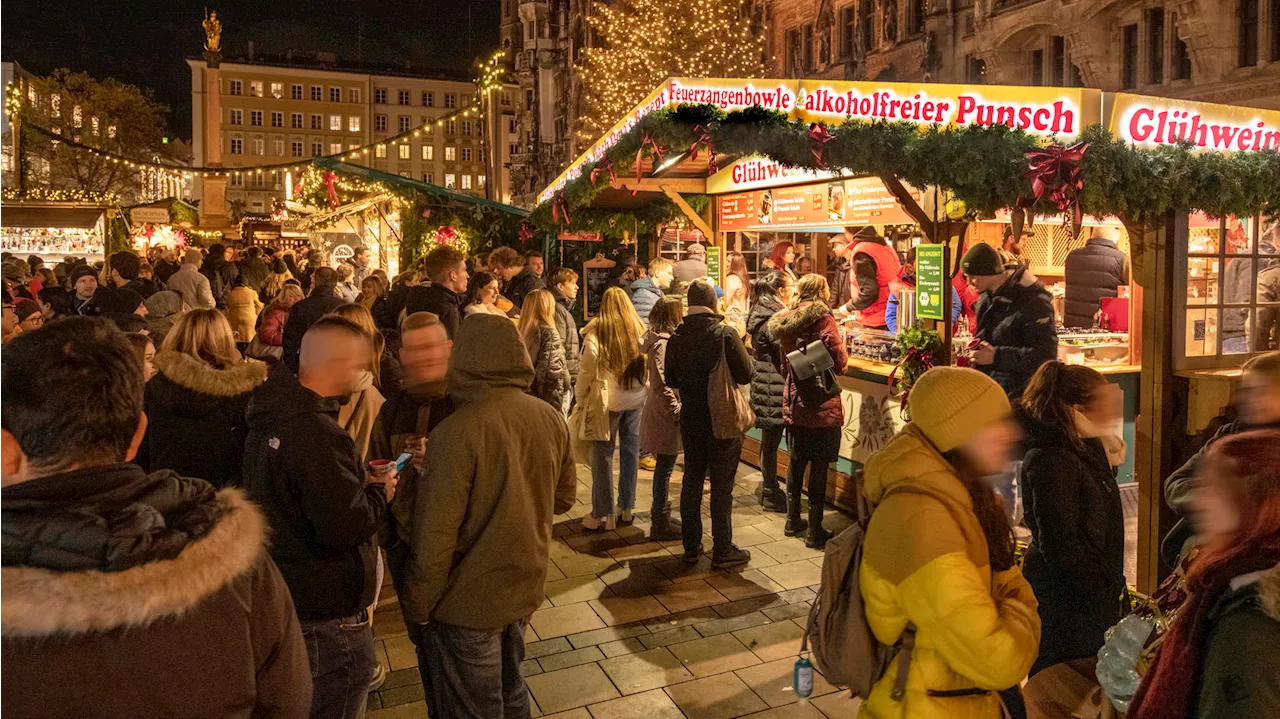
224 452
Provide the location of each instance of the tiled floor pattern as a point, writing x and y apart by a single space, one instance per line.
629 630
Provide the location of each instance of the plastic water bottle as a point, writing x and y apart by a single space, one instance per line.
802 679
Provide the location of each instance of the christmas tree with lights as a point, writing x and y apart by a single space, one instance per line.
646 41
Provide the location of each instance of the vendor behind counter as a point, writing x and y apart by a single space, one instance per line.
866 290
1093 272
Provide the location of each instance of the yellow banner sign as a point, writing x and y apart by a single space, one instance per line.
1154 121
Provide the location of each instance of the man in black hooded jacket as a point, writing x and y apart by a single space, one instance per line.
222 274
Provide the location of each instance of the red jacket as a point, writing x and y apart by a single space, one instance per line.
273 320
809 322
887 269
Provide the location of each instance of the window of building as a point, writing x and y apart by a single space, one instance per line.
235 87
1248 50
428 126
428 152
451 127
404 123
275 179
380 123
1037 67
513 149
255 88
1155 45
405 151
255 118
848 31
466 182
335 123
404 97
277 118
1181 60
808 47
1058 61
353 123
428 99
450 181
793 52
259 146
353 95
317 149
237 180
512 125
466 128
277 147
335 94
295 91
277 90
916 10
335 148
380 96
237 117
480 181
380 152
450 100
295 120
295 148
317 93
237 146
867 24
466 154
506 98
317 122
429 178
975 70
1129 57
450 153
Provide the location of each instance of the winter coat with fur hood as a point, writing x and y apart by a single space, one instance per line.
196 417
796 329
128 594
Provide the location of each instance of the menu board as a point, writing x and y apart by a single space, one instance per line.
930 280
595 281
714 255
860 201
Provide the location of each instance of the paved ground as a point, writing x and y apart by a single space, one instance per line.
628 629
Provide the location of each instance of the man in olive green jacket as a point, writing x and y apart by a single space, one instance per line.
495 473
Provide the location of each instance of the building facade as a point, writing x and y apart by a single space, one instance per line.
1224 51
280 110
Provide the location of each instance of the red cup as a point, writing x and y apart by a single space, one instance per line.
382 466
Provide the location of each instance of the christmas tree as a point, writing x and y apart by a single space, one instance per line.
647 41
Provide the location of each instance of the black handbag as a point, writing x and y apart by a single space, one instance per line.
814 372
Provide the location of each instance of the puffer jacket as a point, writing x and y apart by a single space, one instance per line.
1018 320
795 329
1093 272
767 384
925 561
551 381
645 294
660 420
567 326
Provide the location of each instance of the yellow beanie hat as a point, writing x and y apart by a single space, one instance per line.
950 405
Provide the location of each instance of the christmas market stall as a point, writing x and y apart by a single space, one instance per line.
1183 195
56 224
168 224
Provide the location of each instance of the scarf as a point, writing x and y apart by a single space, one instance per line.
1171 687
1110 436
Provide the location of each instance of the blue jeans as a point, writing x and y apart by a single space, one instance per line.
473 674
624 429
662 484
342 666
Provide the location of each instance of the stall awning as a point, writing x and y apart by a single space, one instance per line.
416 185
49 216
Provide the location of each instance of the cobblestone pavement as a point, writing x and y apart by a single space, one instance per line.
627 629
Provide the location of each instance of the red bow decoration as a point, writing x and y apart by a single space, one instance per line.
915 354
447 235
703 140
608 165
1056 170
526 232
560 210
331 185
818 138
657 153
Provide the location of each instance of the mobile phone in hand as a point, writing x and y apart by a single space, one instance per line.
402 460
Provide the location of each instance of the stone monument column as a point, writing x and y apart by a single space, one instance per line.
213 197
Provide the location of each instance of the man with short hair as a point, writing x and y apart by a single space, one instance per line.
1100 268
166 265
692 267
315 260
839 247
875 266
253 269
322 300
447 270
360 265
1016 325
528 280
84 283
564 287
220 272
649 291
495 473
1011 248
127 593
304 471
124 268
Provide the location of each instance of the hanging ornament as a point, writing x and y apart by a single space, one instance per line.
657 153
612 220
331 187
703 141
426 214
608 165
560 210
818 138
1055 171
526 232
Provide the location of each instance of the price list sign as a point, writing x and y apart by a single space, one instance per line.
930 280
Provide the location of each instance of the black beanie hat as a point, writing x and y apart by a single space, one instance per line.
982 260
80 271
127 264
117 300
702 294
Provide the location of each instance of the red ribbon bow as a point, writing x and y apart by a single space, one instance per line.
703 140
447 235
608 165
331 186
526 232
560 210
1055 170
818 138
657 153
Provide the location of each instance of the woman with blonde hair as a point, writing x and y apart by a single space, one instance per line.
275 281
551 381
610 394
361 409
196 402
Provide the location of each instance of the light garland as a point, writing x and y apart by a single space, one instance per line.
42 194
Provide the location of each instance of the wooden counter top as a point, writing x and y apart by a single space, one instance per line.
883 369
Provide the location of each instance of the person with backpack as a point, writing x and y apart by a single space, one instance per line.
938 560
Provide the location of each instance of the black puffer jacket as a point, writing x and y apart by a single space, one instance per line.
195 417
767 384
1092 272
1076 560
1017 319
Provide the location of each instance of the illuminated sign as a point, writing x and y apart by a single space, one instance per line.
750 173
1154 121
859 201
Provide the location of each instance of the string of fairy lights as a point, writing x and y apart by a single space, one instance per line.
489 80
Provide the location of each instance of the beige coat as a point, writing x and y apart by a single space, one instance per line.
243 307
360 412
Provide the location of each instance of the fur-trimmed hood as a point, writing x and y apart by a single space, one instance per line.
789 324
41 602
1269 592
198 376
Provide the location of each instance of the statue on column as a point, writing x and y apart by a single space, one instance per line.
826 23
212 32
889 20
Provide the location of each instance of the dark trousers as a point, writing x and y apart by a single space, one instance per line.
662 484
342 666
770 438
702 455
814 449
473 674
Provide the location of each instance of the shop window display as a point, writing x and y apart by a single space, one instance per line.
1232 300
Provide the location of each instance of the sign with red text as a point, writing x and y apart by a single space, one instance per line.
853 202
580 237
1154 121
751 173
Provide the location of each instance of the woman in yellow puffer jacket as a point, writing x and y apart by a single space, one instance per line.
939 553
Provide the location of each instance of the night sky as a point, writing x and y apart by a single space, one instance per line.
145 42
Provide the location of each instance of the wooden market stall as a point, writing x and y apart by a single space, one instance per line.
929 164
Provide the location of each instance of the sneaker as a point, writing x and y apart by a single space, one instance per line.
817 538
730 557
795 527
691 556
627 518
379 678
649 463
774 500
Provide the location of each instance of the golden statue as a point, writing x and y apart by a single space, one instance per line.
212 32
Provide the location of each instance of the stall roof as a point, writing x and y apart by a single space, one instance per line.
416 185
50 215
